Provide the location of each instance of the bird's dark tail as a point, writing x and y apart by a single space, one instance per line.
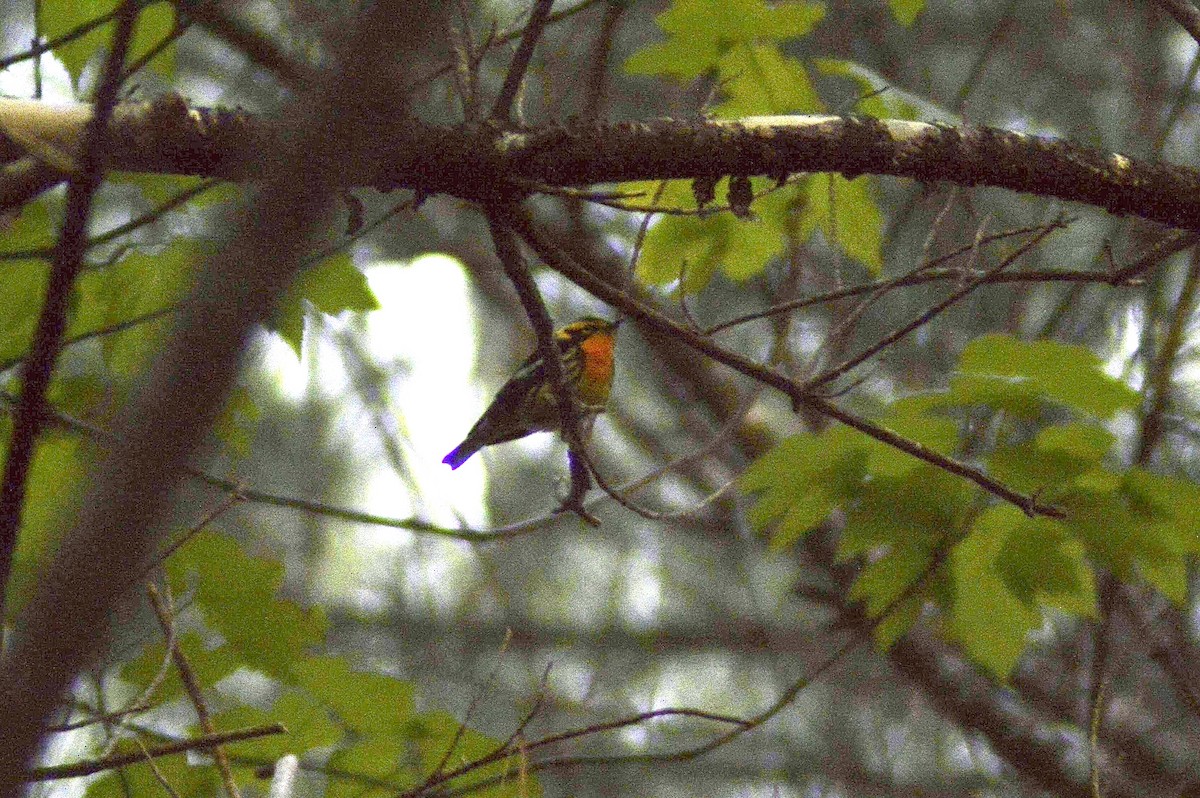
461 454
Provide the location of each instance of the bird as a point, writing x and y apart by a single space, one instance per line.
526 403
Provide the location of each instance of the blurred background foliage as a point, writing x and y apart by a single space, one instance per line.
353 592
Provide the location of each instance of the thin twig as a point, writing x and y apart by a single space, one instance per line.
561 262
502 39
205 743
166 620
230 500
106 717
476 700
553 739
55 43
927 273
565 396
502 111
1165 248
158 775
68 260
924 318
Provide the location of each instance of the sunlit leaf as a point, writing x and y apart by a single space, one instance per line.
760 80
985 618
368 703
700 32
332 286
693 248
1018 376
60 17
799 482
906 11
847 216
236 594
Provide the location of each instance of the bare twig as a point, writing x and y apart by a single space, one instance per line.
158 775
558 260
472 707
502 111
166 620
927 273
205 743
571 416
927 316
68 260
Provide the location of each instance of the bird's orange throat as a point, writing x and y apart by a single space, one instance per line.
597 367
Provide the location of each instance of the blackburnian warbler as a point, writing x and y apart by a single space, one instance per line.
526 402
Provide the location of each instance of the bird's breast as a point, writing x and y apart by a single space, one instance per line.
597 369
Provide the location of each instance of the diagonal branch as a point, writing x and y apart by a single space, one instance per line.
205 743
502 111
509 252
924 318
558 260
52 322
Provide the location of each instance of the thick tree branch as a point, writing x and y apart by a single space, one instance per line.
167 136
205 743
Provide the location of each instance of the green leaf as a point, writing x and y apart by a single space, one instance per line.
34 225
141 285
1040 563
308 726
1018 376
368 703
700 32
984 617
155 22
57 478
1128 530
885 581
331 287
160 189
760 80
912 418
801 481
847 216
921 508
238 422
208 662
23 286
372 768
1053 460
694 247
675 194
1170 509
906 11
880 98
899 620
236 595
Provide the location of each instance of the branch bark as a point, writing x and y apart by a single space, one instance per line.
479 163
